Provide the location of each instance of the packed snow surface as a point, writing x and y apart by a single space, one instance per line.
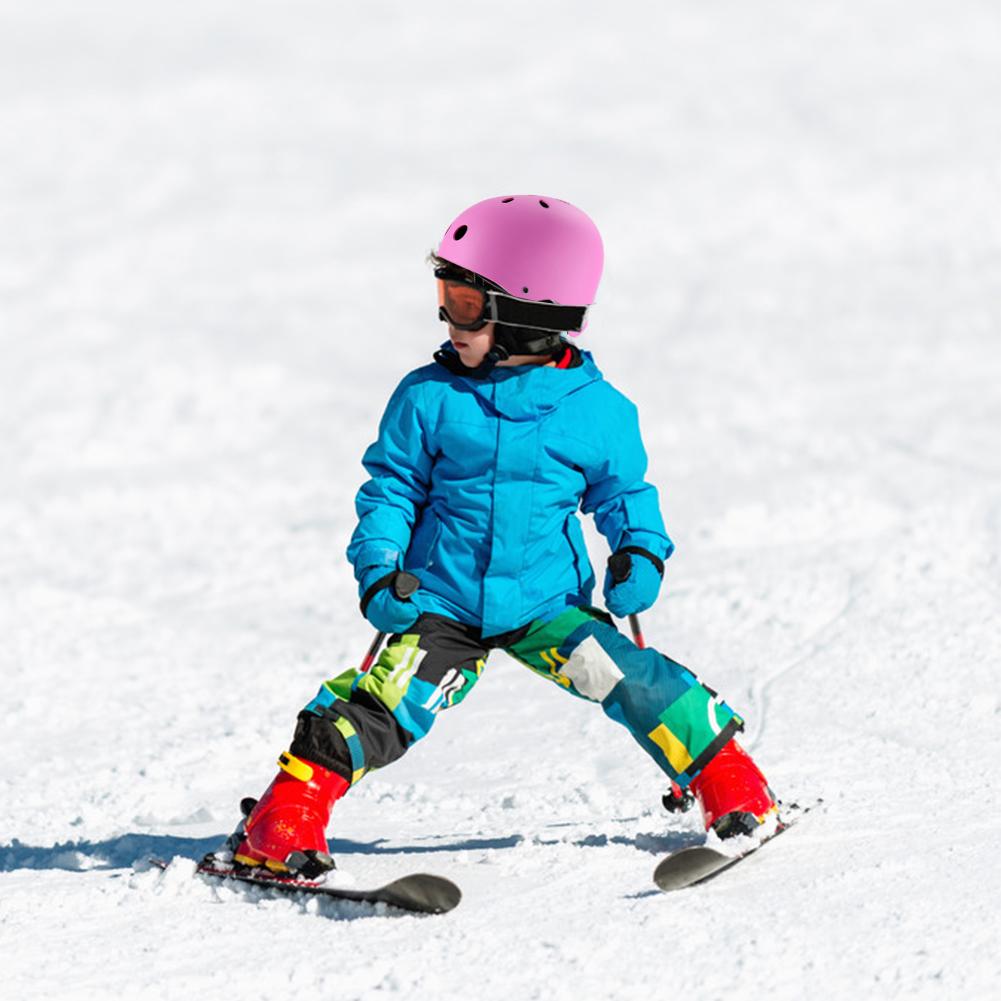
213 218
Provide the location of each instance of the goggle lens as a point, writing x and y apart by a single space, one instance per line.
464 304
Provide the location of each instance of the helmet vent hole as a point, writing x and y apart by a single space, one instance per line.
545 205
510 198
525 288
460 232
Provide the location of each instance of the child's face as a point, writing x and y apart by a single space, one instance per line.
472 345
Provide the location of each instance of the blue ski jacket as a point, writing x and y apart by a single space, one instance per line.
476 483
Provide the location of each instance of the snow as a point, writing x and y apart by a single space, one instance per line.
212 223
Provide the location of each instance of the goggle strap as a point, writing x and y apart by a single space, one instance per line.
535 315
501 307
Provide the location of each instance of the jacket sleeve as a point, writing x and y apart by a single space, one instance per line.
388 504
625 507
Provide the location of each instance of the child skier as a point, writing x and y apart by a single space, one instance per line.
468 540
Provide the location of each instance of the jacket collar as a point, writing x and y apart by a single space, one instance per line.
522 392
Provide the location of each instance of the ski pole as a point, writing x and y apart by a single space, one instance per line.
677 799
373 651
634 625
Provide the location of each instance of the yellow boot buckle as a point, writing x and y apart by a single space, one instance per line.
296 767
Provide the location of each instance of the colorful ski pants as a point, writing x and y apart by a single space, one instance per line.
360 721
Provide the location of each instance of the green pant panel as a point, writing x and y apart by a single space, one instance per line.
377 715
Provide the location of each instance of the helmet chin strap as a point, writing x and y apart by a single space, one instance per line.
508 343
525 341
499 352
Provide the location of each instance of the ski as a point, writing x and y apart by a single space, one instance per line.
419 893
700 863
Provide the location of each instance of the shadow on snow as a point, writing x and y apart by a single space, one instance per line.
123 851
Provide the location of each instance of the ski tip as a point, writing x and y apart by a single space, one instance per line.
688 866
423 892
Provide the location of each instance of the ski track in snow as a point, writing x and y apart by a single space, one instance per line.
209 215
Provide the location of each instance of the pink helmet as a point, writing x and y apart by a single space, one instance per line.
534 247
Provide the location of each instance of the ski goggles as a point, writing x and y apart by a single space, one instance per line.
466 305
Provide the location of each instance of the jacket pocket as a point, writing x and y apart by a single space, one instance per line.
421 554
429 560
568 533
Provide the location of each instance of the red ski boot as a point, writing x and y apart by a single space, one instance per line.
732 792
285 830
